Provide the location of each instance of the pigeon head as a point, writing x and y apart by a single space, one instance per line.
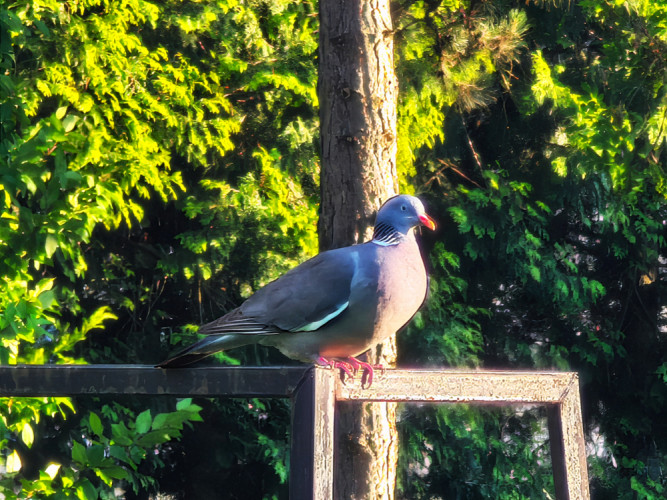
397 216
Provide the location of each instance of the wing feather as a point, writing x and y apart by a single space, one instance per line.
303 299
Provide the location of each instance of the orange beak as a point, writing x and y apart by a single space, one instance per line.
427 221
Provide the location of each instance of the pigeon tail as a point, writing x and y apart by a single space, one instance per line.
205 347
181 360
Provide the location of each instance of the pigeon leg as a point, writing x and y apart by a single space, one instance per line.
346 368
367 369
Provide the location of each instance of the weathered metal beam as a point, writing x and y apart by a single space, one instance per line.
312 440
459 386
568 446
314 392
76 380
557 390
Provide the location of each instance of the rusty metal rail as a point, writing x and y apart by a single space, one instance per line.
559 391
314 393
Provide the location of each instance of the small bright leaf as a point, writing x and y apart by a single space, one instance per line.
51 245
52 469
27 435
13 462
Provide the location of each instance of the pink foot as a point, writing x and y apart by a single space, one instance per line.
345 368
350 366
367 369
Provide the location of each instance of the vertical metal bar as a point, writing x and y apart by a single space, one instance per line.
325 408
311 453
574 443
568 446
302 466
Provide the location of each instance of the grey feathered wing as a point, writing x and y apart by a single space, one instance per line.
303 299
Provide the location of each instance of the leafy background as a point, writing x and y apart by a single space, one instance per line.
158 163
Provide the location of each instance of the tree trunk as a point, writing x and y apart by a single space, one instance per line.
357 92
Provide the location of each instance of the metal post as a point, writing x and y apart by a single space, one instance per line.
312 441
568 446
314 392
559 391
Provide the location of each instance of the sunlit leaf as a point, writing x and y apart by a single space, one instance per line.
52 470
27 435
13 463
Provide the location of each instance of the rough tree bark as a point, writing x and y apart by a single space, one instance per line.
357 91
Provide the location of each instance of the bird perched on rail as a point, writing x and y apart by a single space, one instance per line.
335 306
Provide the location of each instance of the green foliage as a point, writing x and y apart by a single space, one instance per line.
550 167
158 163
147 148
450 57
498 454
241 450
101 457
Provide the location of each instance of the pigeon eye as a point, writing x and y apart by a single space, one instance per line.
404 208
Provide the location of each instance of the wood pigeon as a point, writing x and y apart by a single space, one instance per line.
336 305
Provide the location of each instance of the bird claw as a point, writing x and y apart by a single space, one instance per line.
344 367
368 370
350 366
